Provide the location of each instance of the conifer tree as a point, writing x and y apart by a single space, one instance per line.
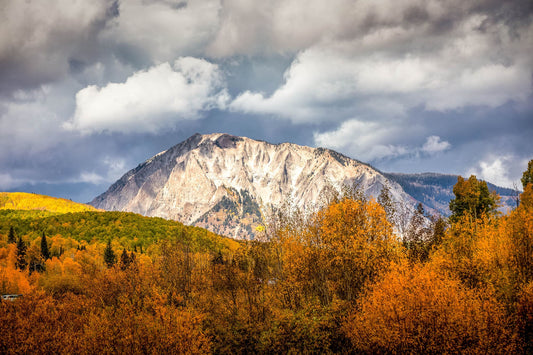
385 200
21 262
109 255
527 176
11 236
417 236
45 252
125 260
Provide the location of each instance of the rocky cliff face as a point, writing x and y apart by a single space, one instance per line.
225 183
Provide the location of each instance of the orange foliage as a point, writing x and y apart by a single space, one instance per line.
421 310
344 246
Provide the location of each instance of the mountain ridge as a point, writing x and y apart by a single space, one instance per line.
225 182
435 190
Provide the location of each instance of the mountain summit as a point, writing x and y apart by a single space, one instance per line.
225 183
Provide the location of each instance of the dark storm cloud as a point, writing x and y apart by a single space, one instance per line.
40 40
409 85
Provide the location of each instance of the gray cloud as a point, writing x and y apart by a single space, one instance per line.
409 85
40 40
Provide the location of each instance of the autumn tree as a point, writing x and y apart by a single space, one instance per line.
520 225
109 255
527 176
417 309
472 198
344 246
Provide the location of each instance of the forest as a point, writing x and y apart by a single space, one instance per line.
336 281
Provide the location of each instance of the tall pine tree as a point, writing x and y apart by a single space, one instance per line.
109 255
125 260
11 236
527 176
45 252
21 262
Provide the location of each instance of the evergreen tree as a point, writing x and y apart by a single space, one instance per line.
527 176
125 260
218 259
45 252
11 236
109 255
417 236
21 262
385 200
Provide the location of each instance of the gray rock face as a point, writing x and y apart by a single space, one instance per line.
225 183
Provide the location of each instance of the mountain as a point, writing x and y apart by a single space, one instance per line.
436 190
227 183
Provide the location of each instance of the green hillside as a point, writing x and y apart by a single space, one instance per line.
127 229
31 215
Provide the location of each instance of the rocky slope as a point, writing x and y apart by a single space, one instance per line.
226 183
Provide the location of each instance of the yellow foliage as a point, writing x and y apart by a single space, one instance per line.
344 246
27 201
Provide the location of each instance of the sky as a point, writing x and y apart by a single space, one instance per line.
90 89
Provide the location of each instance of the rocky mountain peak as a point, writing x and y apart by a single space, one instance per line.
225 183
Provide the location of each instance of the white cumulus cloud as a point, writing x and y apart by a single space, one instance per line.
326 78
495 170
370 141
434 144
362 140
151 100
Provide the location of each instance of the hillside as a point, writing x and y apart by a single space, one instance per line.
29 201
126 229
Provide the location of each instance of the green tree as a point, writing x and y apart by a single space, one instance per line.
109 255
45 252
21 262
472 197
527 176
11 236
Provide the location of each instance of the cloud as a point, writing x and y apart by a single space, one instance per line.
324 79
162 30
362 140
495 170
435 145
371 141
247 27
151 100
113 168
7 182
40 39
